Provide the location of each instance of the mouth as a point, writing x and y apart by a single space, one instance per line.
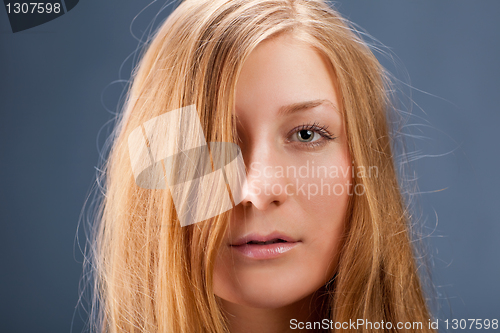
272 241
256 239
264 247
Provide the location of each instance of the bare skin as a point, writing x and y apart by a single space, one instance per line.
261 293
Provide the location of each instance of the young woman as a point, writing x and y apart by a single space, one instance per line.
320 239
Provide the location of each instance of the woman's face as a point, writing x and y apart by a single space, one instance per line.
298 181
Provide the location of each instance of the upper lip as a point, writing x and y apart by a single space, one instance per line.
260 238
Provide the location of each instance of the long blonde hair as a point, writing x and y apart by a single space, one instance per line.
151 274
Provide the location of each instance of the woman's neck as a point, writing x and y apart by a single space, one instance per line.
247 319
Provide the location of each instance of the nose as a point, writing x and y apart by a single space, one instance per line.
265 185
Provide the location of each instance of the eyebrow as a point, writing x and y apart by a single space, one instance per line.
292 108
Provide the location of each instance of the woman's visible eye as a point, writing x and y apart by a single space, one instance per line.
310 135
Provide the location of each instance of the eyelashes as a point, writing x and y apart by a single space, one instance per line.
299 136
306 135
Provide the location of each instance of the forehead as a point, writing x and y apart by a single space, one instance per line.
282 71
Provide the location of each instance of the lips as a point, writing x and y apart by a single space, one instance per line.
257 247
272 241
255 239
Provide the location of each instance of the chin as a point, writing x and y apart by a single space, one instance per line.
263 301
268 292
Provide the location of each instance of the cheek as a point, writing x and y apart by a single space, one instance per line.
327 188
326 225
223 280
325 203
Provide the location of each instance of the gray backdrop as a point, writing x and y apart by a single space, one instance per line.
56 95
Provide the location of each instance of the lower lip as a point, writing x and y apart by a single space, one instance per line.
268 251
